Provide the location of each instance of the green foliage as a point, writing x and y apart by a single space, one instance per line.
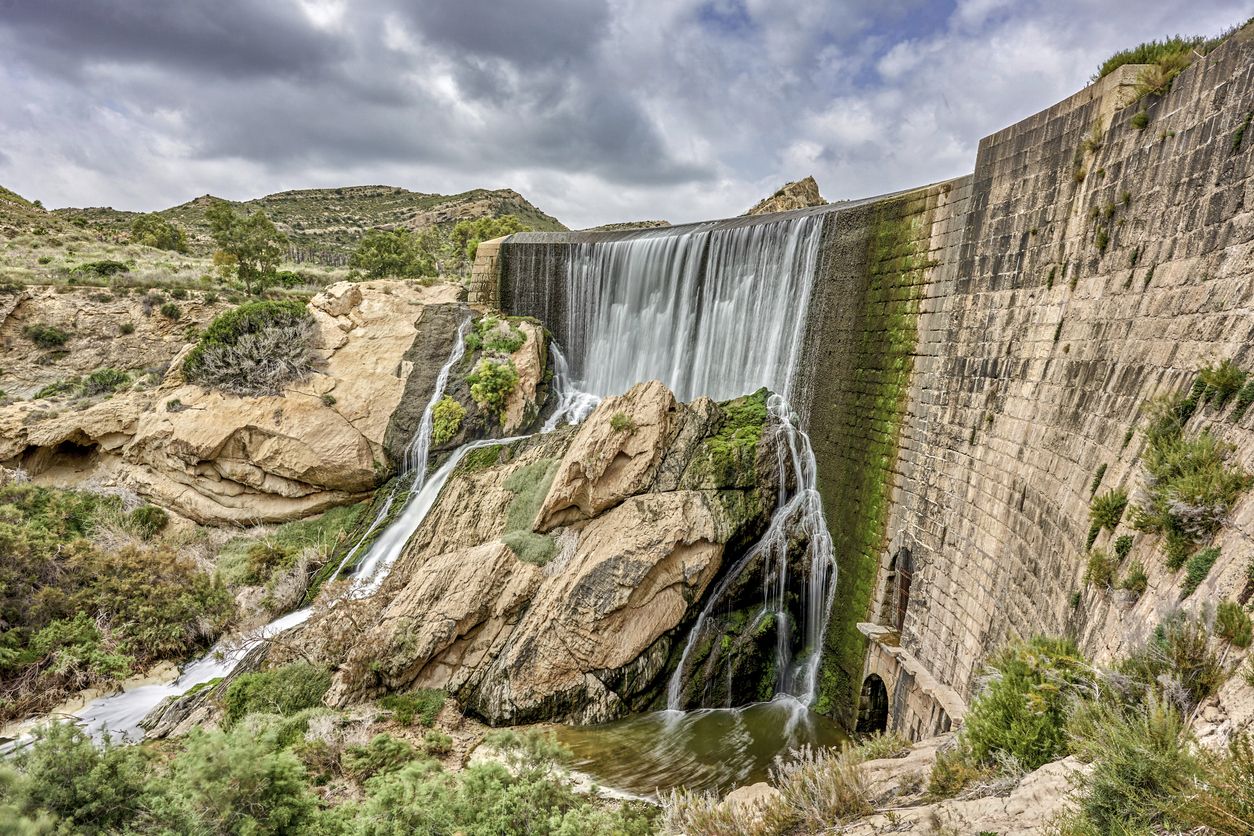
953 771
1101 568
1022 710
423 706
251 243
88 789
1136 580
1179 651
147 521
285 690
1107 510
1098 475
45 336
1197 567
446 419
1190 489
467 235
394 252
103 269
437 743
491 383
1244 398
1221 382
1233 624
529 484
1140 120
383 753
882 745
76 615
622 422
104 381
1123 545
153 230
496 335
170 311
1141 765
253 349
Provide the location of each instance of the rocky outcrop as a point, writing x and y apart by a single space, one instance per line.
326 440
553 577
800 194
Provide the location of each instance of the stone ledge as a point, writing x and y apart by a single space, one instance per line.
947 698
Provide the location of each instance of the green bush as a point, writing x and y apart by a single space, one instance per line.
253 349
1149 52
1101 568
382 754
1233 624
104 381
437 743
1107 510
1221 382
45 336
1123 545
1140 120
147 521
103 268
621 422
1178 651
285 690
491 383
1021 711
394 252
1098 474
170 311
1136 581
468 234
153 230
1197 567
423 706
446 419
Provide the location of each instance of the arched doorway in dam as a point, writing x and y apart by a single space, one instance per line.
873 706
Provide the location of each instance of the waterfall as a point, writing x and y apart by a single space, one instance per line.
714 309
121 714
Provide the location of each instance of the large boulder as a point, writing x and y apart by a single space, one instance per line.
800 194
549 582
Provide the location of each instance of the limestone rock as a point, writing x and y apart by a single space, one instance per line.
583 637
800 194
606 465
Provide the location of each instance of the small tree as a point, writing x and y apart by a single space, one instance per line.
467 235
251 240
153 230
392 253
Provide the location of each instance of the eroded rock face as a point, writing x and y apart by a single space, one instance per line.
326 440
800 194
587 635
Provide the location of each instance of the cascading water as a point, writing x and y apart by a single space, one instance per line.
121 714
720 310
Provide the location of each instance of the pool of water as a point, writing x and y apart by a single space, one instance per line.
708 749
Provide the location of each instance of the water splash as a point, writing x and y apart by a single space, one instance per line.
573 404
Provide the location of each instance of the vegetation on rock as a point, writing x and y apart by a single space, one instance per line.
446 419
254 349
491 383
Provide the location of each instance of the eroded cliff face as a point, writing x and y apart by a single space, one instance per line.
327 440
555 576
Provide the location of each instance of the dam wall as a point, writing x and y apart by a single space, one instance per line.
978 355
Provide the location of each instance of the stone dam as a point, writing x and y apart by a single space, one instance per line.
976 355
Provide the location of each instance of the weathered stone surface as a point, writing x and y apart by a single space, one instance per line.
582 638
606 465
800 194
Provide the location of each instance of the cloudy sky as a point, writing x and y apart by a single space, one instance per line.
596 110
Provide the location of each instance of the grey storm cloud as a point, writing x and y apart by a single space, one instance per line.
597 110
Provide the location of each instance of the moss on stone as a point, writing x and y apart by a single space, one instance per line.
529 484
727 458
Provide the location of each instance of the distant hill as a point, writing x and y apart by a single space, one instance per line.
19 216
324 225
625 226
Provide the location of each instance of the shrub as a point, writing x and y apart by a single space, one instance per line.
103 268
1233 624
952 772
621 422
491 383
382 754
882 745
1140 120
1224 802
253 349
1148 53
45 336
170 311
446 419
1141 764
822 787
1101 568
1098 475
436 742
1107 510
126 328
285 690
1196 569
153 230
147 521
1177 661
1123 545
61 387
423 706
1244 398
499 336
1136 580
1022 708
1221 382
394 252
104 381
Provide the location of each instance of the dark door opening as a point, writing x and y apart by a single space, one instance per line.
873 707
